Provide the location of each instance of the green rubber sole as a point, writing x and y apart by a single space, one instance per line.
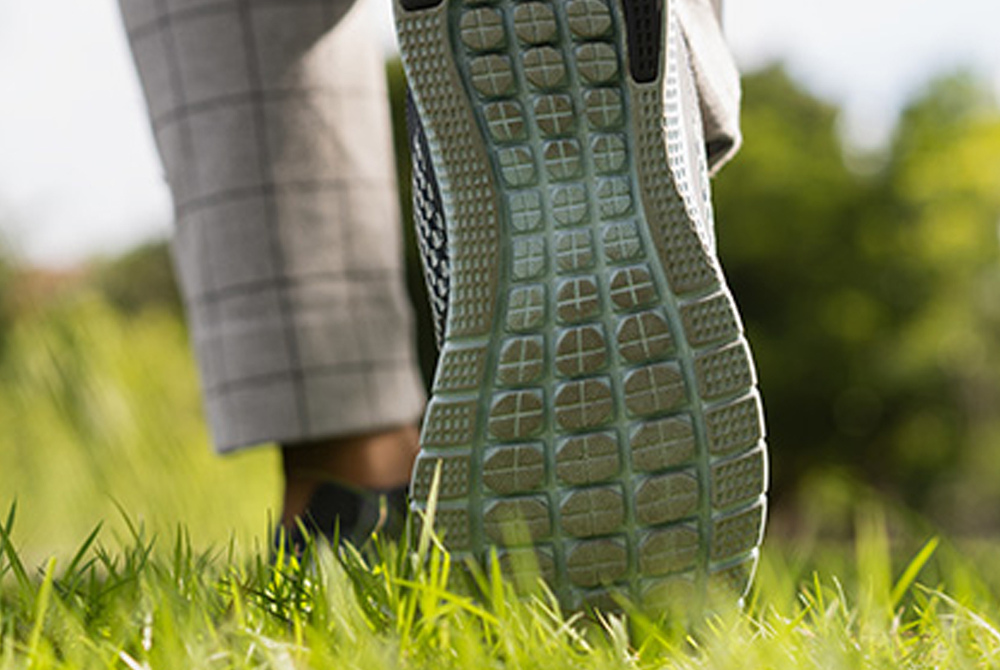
594 408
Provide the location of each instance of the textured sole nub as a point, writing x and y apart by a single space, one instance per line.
594 408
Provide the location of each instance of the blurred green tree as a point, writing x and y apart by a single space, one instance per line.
139 279
944 174
867 294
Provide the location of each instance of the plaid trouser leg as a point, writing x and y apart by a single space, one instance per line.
271 119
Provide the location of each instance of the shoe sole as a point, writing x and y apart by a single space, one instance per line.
594 411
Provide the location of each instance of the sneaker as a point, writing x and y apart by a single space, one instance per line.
340 513
594 412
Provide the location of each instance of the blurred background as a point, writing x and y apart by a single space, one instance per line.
858 228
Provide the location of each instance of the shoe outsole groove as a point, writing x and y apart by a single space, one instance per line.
594 415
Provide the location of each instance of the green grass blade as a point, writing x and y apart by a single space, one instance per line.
427 531
8 550
41 609
82 551
909 575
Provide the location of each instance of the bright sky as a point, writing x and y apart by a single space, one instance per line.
79 175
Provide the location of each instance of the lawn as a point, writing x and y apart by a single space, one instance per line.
155 601
125 544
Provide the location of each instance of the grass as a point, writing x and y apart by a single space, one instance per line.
130 546
97 412
151 602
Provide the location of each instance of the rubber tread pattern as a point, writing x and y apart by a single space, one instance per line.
428 220
612 435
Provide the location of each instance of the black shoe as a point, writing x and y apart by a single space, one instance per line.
339 513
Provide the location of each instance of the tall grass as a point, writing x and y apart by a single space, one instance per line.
133 547
149 604
100 412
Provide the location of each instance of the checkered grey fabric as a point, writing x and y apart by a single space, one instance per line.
272 122
715 77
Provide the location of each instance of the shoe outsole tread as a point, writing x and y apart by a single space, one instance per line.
595 404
